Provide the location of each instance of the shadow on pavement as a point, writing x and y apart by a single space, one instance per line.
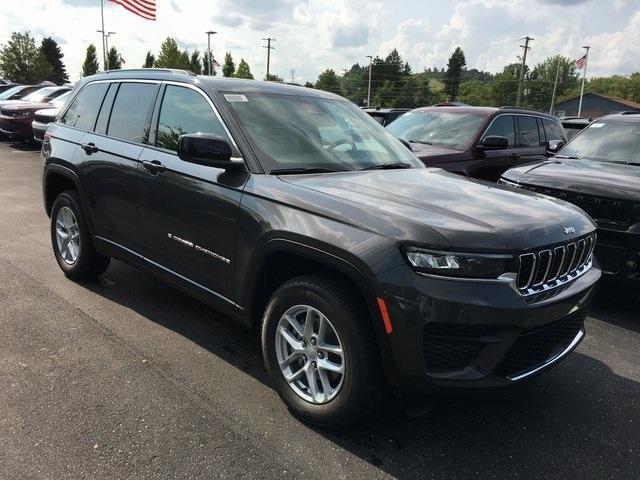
579 420
23 146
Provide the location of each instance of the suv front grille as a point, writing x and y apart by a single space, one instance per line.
548 268
618 214
536 347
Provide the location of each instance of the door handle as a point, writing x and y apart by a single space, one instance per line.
89 148
154 167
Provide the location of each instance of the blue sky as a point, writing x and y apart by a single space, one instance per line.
312 35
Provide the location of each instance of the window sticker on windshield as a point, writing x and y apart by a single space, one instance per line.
596 125
235 97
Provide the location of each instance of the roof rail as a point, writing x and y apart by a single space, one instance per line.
630 112
143 70
511 107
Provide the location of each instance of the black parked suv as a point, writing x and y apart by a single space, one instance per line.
479 142
599 171
294 212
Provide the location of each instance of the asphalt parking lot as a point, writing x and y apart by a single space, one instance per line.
129 378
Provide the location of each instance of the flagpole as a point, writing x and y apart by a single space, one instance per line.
584 77
104 50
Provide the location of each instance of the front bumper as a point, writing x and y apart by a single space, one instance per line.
15 127
39 129
473 333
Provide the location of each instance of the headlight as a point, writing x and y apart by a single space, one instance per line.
469 265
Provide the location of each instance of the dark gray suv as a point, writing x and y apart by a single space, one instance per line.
291 210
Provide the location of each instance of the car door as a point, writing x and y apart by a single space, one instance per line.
110 164
492 163
188 211
531 146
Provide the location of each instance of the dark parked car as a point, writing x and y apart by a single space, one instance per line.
17 118
599 171
291 210
574 125
478 142
384 116
17 92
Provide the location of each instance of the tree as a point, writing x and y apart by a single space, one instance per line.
196 64
21 61
205 65
504 86
243 70
475 92
90 65
170 56
308 85
149 60
455 67
423 95
272 77
354 83
229 67
542 77
405 94
114 59
53 55
328 81
384 95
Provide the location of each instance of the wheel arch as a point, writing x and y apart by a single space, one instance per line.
57 179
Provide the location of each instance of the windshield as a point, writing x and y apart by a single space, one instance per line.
443 129
40 95
11 91
610 141
309 132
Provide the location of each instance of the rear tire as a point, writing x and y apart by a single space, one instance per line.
339 399
71 241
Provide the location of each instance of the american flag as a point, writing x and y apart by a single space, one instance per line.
144 8
581 62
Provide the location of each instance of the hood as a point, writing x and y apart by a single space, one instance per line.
605 179
19 105
433 153
471 215
48 112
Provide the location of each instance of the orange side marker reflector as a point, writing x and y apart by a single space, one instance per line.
385 315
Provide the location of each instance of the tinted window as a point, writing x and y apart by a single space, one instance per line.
131 110
185 111
528 135
105 110
7 94
552 129
502 126
84 109
44 94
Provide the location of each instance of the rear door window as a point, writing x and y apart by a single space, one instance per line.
84 108
528 135
131 111
502 126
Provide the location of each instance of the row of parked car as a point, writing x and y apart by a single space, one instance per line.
27 110
596 171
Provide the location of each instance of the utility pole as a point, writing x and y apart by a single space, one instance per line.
369 88
269 48
555 86
526 47
209 56
293 75
584 77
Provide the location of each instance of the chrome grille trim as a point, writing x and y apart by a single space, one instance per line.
561 264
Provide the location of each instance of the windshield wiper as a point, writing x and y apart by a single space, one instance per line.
420 141
388 166
286 171
635 164
570 157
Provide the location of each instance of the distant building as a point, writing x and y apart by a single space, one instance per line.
595 105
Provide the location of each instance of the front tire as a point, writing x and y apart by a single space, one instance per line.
320 351
71 241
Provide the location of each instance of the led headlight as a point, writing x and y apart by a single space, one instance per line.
470 265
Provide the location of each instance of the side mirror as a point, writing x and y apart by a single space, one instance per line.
205 149
494 142
554 146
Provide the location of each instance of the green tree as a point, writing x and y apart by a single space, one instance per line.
21 61
384 95
205 65
243 70
455 67
475 92
149 60
195 62
540 81
272 77
405 93
90 65
229 67
504 86
328 81
53 55
114 59
354 84
170 56
423 95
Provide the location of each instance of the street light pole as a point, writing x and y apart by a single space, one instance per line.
369 88
106 42
209 33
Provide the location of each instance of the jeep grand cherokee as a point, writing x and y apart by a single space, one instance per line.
294 212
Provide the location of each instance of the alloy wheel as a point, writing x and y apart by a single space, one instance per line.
67 235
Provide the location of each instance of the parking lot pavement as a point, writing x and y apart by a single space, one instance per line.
129 378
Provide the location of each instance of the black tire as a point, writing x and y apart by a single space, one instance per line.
362 387
89 264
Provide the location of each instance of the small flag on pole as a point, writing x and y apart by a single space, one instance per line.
144 8
581 62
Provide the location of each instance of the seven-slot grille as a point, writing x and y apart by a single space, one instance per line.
551 267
